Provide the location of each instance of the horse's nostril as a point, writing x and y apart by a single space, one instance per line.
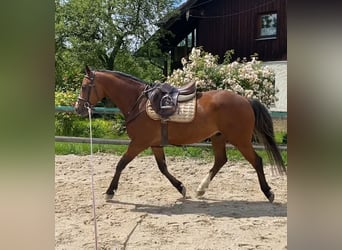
78 108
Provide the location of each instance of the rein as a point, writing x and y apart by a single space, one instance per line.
136 104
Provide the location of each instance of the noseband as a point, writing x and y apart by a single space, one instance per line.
89 87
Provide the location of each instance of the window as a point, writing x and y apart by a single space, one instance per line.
189 40
267 26
183 49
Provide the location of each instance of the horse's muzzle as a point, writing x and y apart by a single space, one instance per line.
80 108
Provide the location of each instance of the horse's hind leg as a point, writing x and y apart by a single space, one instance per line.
256 161
130 154
219 147
160 158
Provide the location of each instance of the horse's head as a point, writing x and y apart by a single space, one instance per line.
89 93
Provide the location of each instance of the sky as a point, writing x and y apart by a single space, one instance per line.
181 2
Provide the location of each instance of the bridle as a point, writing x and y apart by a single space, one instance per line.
89 87
131 114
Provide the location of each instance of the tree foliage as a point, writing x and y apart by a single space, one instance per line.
104 34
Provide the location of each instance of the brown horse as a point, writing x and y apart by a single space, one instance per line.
221 115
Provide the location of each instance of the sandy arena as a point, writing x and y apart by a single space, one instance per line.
148 213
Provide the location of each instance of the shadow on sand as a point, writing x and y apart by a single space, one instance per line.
215 208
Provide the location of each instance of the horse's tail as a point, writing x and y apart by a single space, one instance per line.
263 130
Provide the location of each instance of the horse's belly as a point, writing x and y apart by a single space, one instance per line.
188 133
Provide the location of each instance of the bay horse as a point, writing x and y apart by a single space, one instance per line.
221 115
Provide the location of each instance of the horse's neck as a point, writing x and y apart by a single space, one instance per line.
124 93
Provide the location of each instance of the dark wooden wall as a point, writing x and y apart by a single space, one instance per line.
232 24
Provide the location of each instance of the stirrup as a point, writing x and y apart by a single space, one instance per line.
166 107
166 102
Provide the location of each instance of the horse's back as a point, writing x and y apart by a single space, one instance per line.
231 113
230 103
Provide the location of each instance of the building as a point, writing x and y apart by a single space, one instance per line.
247 26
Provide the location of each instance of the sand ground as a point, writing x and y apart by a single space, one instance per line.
148 212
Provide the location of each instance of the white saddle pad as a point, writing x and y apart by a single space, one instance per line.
185 112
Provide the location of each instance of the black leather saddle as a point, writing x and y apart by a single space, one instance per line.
164 98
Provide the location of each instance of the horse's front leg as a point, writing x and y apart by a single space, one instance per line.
130 154
160 158
115 181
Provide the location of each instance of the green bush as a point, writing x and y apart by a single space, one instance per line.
100 128
120 124
71 124
64 121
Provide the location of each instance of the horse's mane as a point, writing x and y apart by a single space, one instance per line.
122 74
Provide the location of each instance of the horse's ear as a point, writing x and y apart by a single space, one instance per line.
87 70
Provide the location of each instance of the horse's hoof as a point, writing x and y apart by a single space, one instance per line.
200 193
109 197
270 196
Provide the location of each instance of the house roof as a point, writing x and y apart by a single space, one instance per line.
176 25
179 24
168 21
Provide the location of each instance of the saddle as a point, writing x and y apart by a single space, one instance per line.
164 98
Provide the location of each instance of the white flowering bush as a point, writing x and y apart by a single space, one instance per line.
247 78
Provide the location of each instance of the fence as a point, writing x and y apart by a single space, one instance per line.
102 110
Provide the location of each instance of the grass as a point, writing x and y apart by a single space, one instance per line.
62 148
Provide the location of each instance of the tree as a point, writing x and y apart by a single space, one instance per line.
102 33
